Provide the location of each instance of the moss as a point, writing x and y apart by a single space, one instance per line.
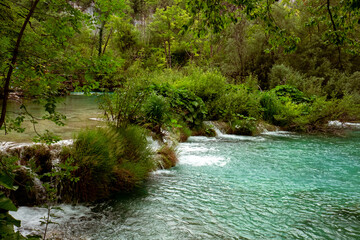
28 193
37 157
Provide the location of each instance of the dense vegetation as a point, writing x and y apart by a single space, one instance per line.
170 65
230 55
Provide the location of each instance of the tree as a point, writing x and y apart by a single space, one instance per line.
38 31
104 9
340 23
167 26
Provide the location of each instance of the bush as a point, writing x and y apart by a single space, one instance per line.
108 160
237 101
184 105
308 116
245 126
209 86
283 75
283 104
156 112
123 107
341 84
271 106
286 92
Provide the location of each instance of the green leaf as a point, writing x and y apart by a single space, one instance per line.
6 181
6 203
9 219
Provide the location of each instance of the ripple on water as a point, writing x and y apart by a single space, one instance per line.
279 188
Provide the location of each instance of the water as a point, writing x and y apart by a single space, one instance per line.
80 112
276 186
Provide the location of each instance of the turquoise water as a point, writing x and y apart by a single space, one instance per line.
276 186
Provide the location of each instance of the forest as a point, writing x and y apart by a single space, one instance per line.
169 69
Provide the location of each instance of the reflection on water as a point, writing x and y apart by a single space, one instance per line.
78 110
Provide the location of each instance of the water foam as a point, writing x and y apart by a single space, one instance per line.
31 218
198 161
343 124
278 133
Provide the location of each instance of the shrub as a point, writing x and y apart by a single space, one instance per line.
286 92
108 160
237 101
184 105
271 106
167 157
245 126
156 112
283 104
284 75
123 106
209 86
281 75
341 84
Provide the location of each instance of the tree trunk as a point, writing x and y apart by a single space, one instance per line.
211 47
169 53
101 33
337 36
107 41
166 54
13 62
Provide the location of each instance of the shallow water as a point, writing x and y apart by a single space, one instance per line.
276 186
80 112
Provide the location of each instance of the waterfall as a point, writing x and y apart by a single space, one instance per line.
216 129
218 132
154 145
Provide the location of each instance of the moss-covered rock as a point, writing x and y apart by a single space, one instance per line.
30 190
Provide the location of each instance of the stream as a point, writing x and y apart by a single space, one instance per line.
278 185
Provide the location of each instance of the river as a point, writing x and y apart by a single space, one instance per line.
278 185
80 112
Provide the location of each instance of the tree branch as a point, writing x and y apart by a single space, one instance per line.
13 62
335 30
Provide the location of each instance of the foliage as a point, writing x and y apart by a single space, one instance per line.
209 86
285 92
238 101
244 126
7 222
107 160
166 26
123 107
184 105
283 75
156 112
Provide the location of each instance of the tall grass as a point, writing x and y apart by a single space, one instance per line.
109 160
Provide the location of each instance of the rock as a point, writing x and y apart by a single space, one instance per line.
30 190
